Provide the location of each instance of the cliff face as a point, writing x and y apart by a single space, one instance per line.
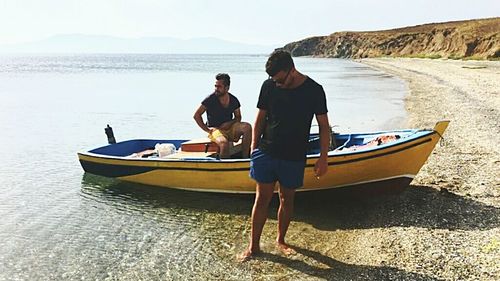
478 39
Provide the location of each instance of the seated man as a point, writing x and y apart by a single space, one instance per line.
222 127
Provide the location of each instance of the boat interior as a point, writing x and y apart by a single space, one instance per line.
205 150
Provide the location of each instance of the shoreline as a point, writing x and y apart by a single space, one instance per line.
468 94
466 168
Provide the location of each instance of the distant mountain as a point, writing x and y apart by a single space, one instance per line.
476 39
77 43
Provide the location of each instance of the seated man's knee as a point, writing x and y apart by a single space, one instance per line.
246 128
222 141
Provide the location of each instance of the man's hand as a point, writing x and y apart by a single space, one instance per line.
321 167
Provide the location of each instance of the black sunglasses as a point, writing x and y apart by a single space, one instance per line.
282 80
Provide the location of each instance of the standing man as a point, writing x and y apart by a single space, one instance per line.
287 103
222 127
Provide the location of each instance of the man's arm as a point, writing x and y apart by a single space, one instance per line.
237 118
199 119
321 166
258 128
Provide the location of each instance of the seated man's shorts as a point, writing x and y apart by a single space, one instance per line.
229 134
267 169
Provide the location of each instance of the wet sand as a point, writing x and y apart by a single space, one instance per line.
445 226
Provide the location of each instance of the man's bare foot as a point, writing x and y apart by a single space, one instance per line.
247 255
285 248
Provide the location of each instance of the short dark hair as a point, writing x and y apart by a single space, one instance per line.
279 60
226 80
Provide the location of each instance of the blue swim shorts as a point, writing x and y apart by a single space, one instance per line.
267 169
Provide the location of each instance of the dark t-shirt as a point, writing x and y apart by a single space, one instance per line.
289 113
216 113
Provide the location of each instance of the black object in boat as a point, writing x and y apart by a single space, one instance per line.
109 132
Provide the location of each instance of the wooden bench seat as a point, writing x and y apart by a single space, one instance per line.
207 146
200 145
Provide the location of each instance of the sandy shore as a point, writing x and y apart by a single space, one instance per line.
446 225
467 167
468 94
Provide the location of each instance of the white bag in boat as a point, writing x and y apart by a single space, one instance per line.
164 149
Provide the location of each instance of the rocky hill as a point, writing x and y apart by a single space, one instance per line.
473 39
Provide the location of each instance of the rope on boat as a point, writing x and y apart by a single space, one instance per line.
345 143
442 141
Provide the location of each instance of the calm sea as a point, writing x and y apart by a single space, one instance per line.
58 223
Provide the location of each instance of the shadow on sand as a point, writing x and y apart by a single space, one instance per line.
315 264
418 206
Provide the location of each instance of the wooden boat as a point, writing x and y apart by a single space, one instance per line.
359 159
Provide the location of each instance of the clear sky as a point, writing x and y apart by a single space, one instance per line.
254 21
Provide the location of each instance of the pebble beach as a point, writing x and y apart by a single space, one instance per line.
466 167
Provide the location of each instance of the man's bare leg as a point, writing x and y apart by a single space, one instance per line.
263 196
246 130
223 147
285 211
